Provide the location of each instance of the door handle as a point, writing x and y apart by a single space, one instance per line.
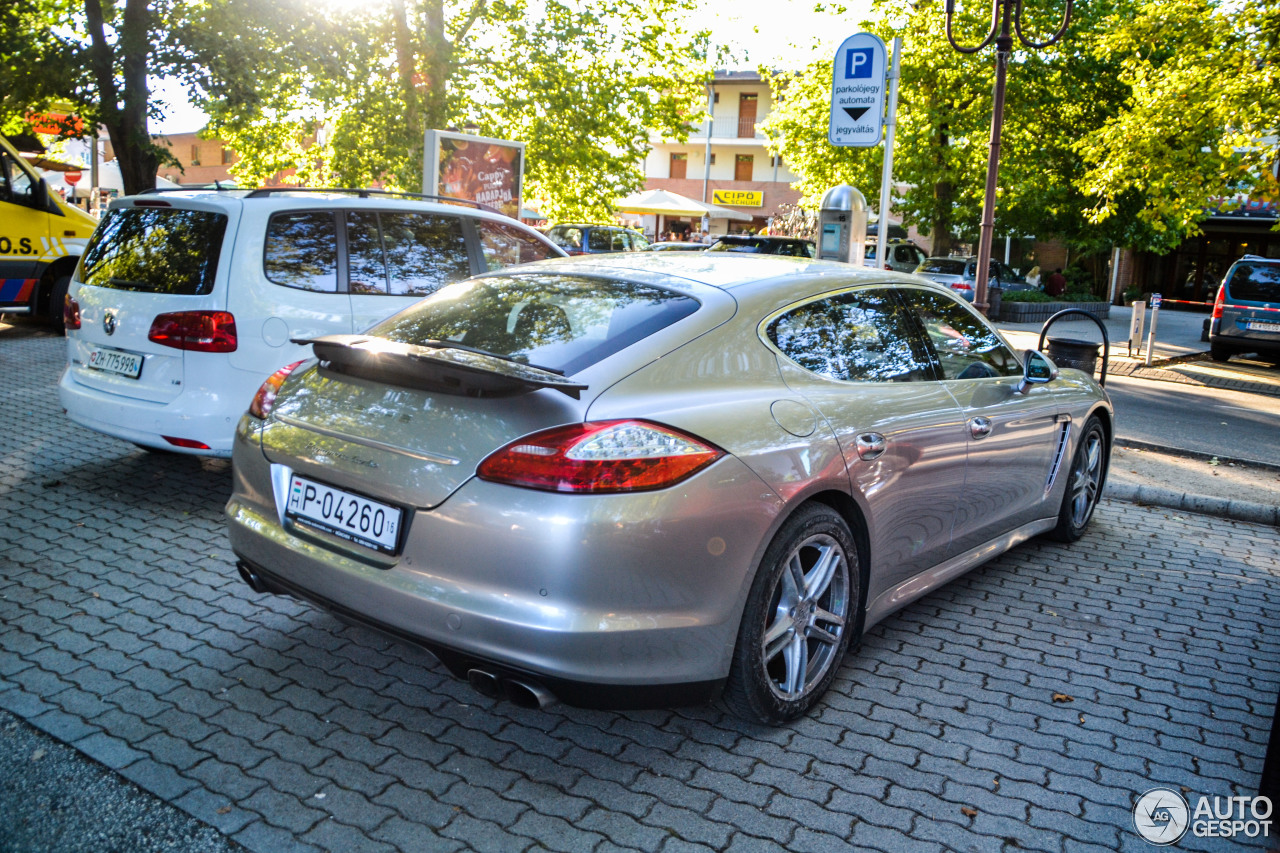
979 427
870 445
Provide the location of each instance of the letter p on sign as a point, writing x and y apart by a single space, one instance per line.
858 62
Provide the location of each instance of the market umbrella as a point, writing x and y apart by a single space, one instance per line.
667 203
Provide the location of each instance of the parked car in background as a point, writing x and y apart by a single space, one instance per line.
902 255
41 238
676 246
184 302
654 479
596 239
961 275
1246 312
763 245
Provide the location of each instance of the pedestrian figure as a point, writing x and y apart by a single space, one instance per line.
1057 283
1033 277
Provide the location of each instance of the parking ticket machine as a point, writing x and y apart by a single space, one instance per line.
842 225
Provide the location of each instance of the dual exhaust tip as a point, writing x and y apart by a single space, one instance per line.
525 694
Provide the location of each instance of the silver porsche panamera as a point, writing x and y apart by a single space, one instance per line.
656 479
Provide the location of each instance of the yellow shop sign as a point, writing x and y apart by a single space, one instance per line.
738 198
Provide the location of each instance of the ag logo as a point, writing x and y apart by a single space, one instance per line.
1161 816
109 322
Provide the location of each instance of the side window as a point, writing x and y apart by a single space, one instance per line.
600 240
504 245
424 252
16 184
861 336
366 261
639 242
966 347
302 251
620 241
566 238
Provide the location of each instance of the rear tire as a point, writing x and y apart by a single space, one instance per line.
57 295
1085 480
800 616
1220 353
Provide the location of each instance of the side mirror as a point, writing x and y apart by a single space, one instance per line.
1036 370
42 197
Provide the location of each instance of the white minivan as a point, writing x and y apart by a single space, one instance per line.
185 302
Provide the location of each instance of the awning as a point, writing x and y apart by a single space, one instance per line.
667 203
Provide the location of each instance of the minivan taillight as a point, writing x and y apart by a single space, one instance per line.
70 313
1220 302
600 456
200 331
265 399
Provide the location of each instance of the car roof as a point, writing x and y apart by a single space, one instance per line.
737 274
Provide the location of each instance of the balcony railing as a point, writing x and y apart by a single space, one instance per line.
727 128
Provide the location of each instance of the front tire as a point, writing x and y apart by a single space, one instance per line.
799 618
1084 482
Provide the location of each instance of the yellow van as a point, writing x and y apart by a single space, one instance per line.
41 239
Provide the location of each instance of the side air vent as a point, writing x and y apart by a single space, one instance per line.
1063 432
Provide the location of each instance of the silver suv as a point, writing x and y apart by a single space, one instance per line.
1246 313
901 255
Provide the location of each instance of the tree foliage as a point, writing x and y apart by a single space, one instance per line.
583 83
97 57
1053 97
1201 120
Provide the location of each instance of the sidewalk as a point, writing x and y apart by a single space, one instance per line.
1178 355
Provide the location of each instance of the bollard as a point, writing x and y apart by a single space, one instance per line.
1135 326
1151 334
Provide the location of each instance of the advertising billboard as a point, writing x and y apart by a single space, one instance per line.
476 168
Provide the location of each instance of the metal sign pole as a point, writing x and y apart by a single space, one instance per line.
886 178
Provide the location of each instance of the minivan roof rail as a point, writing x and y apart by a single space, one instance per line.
366 193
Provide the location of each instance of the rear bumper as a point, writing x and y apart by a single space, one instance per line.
198 417
617 601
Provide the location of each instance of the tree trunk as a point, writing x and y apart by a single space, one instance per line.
124 114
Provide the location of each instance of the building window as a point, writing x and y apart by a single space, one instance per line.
679 165
195 155
743 166
713 159
226 156
747 114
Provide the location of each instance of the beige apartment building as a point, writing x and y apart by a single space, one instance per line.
742 175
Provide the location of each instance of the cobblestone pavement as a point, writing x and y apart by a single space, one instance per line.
125 632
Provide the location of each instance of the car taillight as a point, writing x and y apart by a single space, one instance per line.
601 456
1220 302
200 331
70 313
574 252
265 399
961 286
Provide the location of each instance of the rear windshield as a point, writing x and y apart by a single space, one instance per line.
1255 282
155 250
943 266
562 322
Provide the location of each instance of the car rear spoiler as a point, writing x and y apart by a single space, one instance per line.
437 366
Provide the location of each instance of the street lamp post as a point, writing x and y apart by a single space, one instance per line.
1004 13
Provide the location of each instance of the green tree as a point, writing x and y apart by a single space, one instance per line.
1200 122
584 83
97 57
1053 97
